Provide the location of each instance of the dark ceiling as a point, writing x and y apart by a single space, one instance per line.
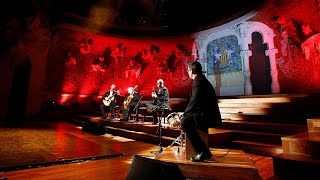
155 16
132 17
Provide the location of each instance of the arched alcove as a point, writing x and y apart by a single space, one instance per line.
259 66
247 29
235 81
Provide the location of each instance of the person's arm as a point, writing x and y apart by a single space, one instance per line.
136 97
194 99
105 94
163 95
118 92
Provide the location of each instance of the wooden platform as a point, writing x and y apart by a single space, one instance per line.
226 164
300 157
117 168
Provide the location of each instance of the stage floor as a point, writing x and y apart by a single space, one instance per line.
47 142
225 164
40 144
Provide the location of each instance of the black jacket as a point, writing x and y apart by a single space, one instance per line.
132 102
203 104
162 96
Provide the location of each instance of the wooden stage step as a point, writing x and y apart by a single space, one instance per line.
306 144
256 126
140 136
256 99
246 110
268 108
258 117
294 166
300 157
244 104
226 164
261 137
313 125
258 148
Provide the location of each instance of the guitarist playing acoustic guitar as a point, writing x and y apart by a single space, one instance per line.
130 102
109 101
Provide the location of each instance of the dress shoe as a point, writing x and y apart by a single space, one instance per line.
201 157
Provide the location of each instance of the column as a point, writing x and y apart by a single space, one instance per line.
275 87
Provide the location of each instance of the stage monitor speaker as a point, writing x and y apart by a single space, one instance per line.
95 127
145 168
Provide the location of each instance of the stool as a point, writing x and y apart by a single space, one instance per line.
190 152
116 111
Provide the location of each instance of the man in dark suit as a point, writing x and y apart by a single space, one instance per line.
160 100
202 111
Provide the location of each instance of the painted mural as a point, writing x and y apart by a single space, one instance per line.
88 64
299 60
223 55
296 25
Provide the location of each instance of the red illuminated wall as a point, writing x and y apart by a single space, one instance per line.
69 68
296 25
138 62
71 53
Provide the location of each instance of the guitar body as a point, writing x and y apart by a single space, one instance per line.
127 102
107 100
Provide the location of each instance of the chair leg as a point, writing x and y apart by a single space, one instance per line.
137 116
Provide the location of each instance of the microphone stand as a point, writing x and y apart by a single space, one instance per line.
159 131
136 109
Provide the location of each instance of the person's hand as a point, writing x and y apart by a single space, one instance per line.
154 95
181 115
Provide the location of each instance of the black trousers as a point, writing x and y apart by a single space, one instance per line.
110 108
189 126
153 108
126 112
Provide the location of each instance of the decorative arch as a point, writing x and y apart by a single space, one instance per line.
238 83
267 36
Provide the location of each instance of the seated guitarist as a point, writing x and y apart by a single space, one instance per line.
109 101
129 104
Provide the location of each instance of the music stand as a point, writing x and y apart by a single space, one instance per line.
161 110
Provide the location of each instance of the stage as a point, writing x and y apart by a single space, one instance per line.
225 164
39 145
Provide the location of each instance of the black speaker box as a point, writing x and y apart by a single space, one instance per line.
145 168
95 127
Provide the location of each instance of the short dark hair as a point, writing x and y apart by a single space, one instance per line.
195 67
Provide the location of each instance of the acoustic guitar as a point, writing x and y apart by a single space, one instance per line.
128 100
107 100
